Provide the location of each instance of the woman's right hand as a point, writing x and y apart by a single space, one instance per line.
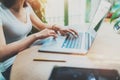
45 33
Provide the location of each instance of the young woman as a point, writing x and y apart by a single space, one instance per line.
16 20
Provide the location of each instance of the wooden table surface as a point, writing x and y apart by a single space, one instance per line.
104 53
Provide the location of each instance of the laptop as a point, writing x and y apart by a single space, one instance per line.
81 44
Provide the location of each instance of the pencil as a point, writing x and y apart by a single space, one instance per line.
48 60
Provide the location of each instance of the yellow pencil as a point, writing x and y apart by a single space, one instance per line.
48 60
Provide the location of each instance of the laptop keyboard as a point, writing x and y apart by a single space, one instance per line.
87 40
72 42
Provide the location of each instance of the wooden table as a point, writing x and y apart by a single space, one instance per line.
104 53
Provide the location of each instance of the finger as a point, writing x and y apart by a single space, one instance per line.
71 32
76 33
63 33
56 32
52 33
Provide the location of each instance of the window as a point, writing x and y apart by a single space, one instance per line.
55 11
76 10
68 12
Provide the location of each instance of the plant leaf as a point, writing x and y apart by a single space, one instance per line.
115 15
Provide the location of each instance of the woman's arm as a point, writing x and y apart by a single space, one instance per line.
37 23
40 25
8 50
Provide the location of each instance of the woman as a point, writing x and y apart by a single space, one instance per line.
16 20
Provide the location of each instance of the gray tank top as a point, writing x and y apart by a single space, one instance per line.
13 28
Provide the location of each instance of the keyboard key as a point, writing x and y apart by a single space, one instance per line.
72 42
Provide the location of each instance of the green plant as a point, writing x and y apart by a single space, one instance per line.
116 16
116 19
115 10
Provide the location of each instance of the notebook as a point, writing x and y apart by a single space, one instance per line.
74 73
81 44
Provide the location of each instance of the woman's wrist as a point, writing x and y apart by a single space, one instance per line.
54 27
34 36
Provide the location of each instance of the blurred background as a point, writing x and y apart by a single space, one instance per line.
69 12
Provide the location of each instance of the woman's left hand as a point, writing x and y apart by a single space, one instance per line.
64 30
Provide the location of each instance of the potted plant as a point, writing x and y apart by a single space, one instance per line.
115 17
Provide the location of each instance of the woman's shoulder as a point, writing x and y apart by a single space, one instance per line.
0 11
3 11
0 4
2 7
29 8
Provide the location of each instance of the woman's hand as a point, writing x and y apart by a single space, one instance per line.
64 30
45 33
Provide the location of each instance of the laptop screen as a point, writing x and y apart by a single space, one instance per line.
98 25
100 14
